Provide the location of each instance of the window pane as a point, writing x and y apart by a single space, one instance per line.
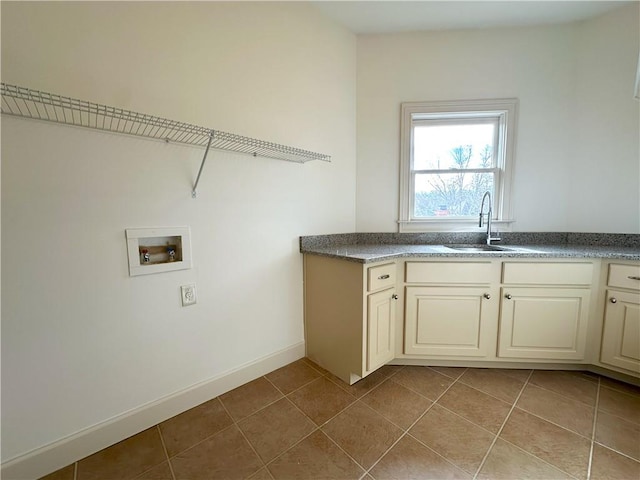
453 146
450 194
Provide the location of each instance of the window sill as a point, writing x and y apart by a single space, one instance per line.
451 225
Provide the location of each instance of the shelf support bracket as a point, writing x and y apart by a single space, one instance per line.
194 193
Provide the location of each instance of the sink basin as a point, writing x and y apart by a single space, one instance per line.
476 248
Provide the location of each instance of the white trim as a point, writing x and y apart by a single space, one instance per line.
63 452
504 109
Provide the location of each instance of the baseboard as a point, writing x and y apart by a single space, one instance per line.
59 454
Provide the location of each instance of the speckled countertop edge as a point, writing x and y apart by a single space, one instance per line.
370 248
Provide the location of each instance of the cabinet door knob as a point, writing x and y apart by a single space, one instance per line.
508 296
487 296
613 300
394 296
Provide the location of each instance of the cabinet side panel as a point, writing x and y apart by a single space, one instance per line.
334 314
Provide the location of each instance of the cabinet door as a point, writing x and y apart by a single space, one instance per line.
450 321
621 332
381 314
547 323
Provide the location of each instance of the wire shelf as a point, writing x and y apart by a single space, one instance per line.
25 102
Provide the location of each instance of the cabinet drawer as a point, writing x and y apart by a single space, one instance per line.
624 276
448 272
382 276
547 273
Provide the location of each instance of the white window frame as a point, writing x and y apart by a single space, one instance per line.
504 111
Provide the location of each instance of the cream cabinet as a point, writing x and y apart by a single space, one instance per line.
350 315
381 317
544 311
451 309
621 328
465 311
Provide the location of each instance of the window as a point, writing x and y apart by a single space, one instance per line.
451 154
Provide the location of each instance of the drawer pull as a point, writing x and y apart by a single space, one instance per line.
383 277
613 300
633 277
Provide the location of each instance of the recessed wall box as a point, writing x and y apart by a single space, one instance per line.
155 250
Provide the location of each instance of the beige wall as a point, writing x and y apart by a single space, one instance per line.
82 342
577 141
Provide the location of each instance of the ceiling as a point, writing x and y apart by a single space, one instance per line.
379 16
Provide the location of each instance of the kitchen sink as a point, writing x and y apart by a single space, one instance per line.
477 248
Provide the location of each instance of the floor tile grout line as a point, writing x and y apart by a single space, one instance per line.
375 387
346 453
486 393
466 419
166 452
593 431
256 411
264 464
603 445
406 432
293 445
294 390
560 393
355 399
233 424
439 454
317 428
75 470
157 426
329 419
433 369
586 437
495 439
636 395
540 459
333 380
422 394
620 417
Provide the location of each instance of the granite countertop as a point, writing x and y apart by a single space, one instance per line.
363 248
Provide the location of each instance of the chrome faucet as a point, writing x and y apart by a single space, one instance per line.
489 215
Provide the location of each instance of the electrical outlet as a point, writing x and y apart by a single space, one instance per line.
188 294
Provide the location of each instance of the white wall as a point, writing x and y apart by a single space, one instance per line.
578 122
607 126
82 342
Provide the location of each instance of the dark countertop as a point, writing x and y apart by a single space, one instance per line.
353 250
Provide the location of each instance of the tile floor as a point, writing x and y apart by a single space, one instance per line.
299 422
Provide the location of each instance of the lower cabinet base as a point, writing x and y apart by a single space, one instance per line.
605 372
